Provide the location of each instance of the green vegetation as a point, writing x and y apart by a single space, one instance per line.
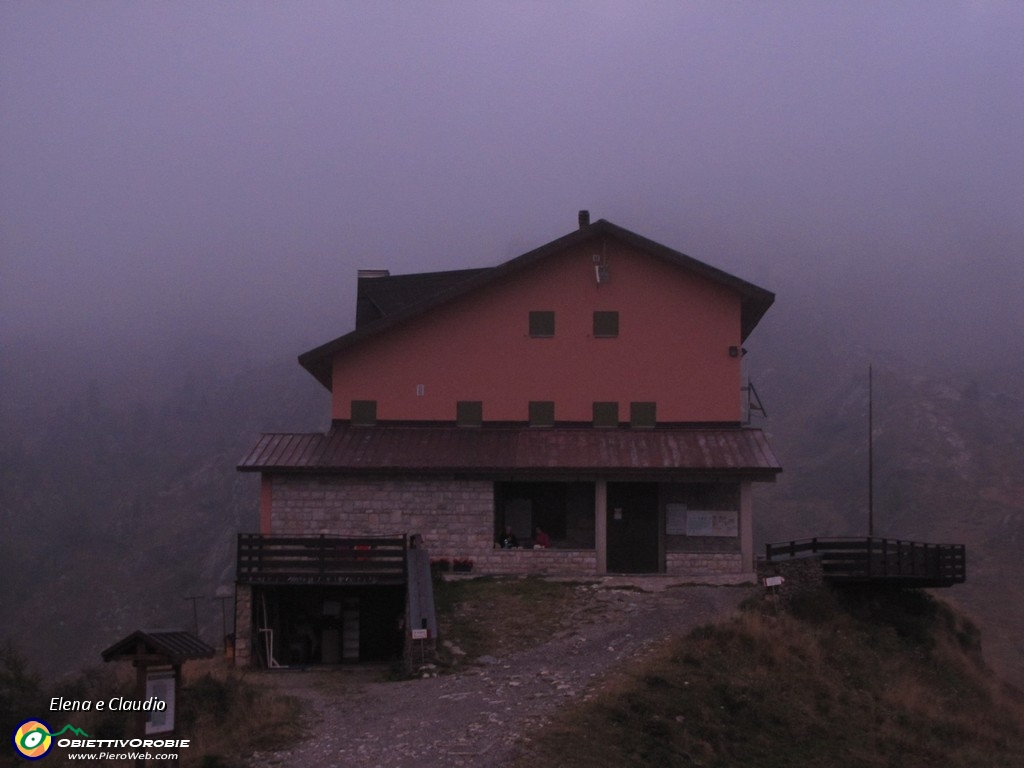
877 678
229 717
19 688
872 679
497 616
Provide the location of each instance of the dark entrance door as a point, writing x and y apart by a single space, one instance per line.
633 528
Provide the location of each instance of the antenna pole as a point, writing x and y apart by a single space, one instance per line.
195 613
871 458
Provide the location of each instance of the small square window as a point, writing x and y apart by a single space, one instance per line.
606 325
642 414
606 414
542 324
469 413
364 413
542 413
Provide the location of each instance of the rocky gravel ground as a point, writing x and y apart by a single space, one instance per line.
484 714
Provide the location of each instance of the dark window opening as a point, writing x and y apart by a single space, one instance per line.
364 413
606 414
469 413
542 413
606 325
542 324
564 511
642 414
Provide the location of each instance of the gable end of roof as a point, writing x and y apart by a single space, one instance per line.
384 302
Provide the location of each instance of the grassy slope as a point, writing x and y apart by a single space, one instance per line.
868 680
498 616
877 679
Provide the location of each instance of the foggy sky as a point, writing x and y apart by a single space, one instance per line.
224 168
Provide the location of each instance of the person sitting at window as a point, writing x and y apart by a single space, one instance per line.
508 539
540 539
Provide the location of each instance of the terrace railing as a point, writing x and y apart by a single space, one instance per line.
322 559
894 561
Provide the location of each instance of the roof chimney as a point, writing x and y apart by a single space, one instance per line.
584 219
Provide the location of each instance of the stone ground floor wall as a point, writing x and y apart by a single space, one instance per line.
455 518
704 563
560 562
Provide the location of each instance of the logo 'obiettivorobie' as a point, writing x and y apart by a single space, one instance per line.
32 739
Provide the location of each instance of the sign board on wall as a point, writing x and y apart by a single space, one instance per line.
680 521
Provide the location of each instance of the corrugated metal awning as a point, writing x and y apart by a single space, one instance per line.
493 450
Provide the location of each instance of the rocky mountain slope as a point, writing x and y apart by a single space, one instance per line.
947 451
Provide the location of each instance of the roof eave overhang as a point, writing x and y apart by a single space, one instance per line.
659 473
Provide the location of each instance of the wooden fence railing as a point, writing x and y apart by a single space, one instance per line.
321 559
867 559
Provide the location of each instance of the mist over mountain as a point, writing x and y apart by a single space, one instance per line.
189 189
121 499
119 502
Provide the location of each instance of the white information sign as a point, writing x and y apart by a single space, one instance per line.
712 522
160 683
675 519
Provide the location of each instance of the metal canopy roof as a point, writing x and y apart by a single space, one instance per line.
664 451
177 646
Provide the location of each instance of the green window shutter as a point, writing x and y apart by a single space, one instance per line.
364 413
542 324
642 414
606 325
542 413
606 414
469 413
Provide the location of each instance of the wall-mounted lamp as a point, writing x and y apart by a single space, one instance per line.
737 352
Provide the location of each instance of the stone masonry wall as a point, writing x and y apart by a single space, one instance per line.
455 518
703 563
560 562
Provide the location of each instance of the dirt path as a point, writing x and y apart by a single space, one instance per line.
484 715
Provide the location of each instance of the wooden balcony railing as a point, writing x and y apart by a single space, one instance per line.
904 563
321 559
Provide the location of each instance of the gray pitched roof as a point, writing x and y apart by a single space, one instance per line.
378 297
665 451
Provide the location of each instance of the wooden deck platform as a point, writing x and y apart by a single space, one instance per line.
881 561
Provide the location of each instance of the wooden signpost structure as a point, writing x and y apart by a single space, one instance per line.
157 656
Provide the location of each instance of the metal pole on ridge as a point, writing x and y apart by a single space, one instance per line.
871 457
